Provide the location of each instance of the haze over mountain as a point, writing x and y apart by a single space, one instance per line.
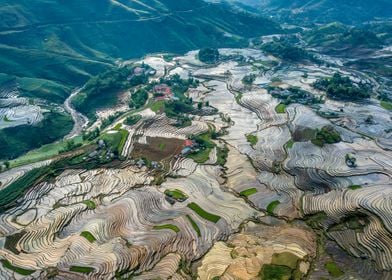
41 39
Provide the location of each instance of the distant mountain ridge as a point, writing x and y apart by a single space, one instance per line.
324 11
68 41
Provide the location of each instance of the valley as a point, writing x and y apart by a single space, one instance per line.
195 139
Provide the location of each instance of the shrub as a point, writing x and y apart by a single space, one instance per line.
138 99
249 79
326 135
333 269
209 55
131 120
252 139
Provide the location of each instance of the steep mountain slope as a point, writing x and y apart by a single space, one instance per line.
67 41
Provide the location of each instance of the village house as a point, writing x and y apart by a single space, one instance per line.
163 92
138 71
189 148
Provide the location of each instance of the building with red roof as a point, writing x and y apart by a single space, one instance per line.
188 143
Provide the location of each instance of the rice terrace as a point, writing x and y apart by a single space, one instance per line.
195 140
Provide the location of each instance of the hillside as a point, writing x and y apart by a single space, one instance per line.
323 11
68 41
338 39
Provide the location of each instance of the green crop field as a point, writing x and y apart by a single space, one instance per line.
88 235
194 225
248 192
168 226
271 207
280 109
204 214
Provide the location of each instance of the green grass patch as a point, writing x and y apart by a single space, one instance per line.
176 194
194 225
116 141
117 126
280 108
44 152
90 204
202 156
289 144
272 206
386 105
81 269
333 269
275 272
205 139
252 139
168 226
355 187
88 236
204 214
285 259
157 106
206 145
18 270
248 192
162 146
124 137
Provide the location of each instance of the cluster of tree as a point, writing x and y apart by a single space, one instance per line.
109 120
138 98
180 86
249 79
204 140
131 120
326 135
200 104
294 95
285 50
209 55
91 135
342 88
177 109
384 96
351 161
70 145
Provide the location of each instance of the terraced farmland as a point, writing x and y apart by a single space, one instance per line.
239 192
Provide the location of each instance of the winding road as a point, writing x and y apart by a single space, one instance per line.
80 121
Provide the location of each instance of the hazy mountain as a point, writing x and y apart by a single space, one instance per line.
67 41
